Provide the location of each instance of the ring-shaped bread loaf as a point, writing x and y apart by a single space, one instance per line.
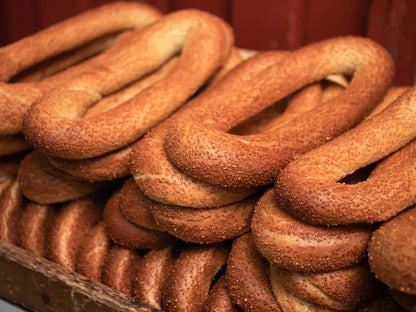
53 123
392 252
308 187
130 235
202 148
294 245
15 98
247 276
70 225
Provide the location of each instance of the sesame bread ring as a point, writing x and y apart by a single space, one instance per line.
392 95
92 253
235 58
134 206
341 290
16 98
53 123
202 148
44 184
392 252
34 225
111 166
277 115
129 235
290 303
205 226
247 278
114 164
119 269
298 246
188 284
54 65
159 179
11 202
307 188
72 222
151 276
219 299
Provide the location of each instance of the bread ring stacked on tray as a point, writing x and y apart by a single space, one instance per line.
192 175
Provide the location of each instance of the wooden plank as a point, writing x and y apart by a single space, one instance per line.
41 285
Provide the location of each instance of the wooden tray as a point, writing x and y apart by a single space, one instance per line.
41 285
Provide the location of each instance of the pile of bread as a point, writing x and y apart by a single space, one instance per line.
148 153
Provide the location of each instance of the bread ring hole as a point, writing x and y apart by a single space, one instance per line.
359 175
59 63
217 276
129 91
256 123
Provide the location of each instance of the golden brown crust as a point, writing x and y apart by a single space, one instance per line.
233 60
307 188
202 148
393 94
56 64
392 252
56 39
218 299
11 202
290 303
281 112
92 252
115 164
34 225
135 206
72 222
205 226
111 166
52 123
119 269
190 279
151 276
43 183
345 289
164 183
295 245
247 278
129 235
159 179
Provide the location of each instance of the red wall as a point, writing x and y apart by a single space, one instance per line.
259 24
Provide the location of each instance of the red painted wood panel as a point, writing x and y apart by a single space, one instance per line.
327 18
392 23
260 24
16 23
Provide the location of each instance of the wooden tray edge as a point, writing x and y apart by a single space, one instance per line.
41 285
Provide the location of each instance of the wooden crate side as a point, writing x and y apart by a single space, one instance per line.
41 285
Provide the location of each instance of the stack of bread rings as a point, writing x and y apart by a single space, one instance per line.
149 154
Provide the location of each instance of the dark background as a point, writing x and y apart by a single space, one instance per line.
259 24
